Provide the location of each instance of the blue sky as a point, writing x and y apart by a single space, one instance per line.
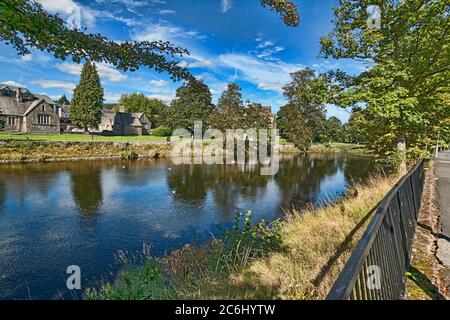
228 40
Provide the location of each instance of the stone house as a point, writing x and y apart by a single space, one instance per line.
25 112
124 123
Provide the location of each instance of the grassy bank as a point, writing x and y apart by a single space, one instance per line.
296 258
77 137
25 151
338 147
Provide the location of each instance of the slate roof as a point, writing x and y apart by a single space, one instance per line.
46 98
10 106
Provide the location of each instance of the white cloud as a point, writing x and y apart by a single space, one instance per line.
104 71
165 32
225 5
158 83
267 75
167 11
26 58
112 97
13 83
161 96
54 84
66 7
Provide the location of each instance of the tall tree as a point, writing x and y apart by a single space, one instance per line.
305 93
63 100
331 131
258 116
193 102
352 131
407 47
87 101
293 127
229 113
154 109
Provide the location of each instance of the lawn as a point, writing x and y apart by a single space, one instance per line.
77 137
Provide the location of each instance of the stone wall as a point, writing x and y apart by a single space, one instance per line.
34 127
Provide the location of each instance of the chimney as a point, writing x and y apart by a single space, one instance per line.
121 109
19 95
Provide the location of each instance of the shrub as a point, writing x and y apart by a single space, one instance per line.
162 131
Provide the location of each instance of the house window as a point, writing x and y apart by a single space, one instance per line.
11 121
43 119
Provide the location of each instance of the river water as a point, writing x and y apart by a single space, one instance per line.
53 215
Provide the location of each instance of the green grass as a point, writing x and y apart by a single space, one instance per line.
77 137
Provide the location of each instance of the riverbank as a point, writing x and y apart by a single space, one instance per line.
44 151
296 258
13 151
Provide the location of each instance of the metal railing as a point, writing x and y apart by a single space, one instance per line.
376 269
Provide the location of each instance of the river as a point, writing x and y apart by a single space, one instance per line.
53 215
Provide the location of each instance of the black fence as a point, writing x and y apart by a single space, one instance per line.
376 269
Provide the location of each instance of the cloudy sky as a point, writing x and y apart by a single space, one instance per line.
228 40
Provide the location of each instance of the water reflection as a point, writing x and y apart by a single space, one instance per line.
56 214
86 183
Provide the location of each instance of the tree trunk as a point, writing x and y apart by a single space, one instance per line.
401 152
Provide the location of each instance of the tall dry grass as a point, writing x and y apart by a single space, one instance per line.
315 245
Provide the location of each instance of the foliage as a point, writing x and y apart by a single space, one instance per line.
352 131
404 89
63 100
229 112
26 24
332 130
292 126
305 92
286 9
193 102
137 102
258 116
162 131
87 101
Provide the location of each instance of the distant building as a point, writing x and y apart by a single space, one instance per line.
26 112
124 123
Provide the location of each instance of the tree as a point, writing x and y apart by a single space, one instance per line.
331 131
258 116
26 24
63 100
286 9
229 113
408 72
305 92
352 131
193 102
138 102
293 127
87 101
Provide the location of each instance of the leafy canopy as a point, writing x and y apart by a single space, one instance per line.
403 89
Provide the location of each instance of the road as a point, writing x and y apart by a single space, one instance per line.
443 186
